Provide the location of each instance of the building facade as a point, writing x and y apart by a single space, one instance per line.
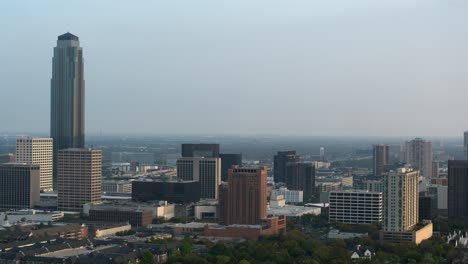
205 170
356 207
38 151
227 161
457 188
246 196
381 158
418 153
280 160
19 186
79 178
290 196
171 191
401 200
200 150
67 111
301 176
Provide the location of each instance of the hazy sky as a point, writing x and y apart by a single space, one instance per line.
387 67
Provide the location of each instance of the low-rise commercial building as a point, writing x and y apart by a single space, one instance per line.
355 207
291 196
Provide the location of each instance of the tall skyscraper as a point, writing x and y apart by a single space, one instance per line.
200 150
227 161
401 200
67 96
381 158
38 151
458 188
19 186
246 196
465 144
281 159
322 153
418 153
300 176
205 170
79 178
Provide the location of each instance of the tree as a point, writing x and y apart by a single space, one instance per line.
148 258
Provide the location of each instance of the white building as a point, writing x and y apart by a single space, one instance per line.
35 216
37 151
355 207
117 186
206 209
291 196
401 200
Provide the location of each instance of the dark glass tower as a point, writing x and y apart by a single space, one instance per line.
67 96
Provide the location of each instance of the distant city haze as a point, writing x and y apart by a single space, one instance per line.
338 68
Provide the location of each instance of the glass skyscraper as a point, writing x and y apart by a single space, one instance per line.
67 96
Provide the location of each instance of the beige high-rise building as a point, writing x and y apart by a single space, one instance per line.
205 170
37 151
418 152
79 178
401 200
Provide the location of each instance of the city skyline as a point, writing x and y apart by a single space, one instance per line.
167 70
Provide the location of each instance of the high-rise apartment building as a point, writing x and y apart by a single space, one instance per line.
355 207
79 178
418 153
281 159
38 151
458 188
301 176
19 185
200 150
465 144
401 200
205 170
246 196
67 111
381 158
227 161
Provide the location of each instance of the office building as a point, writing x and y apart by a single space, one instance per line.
401 193
205 170
281 159
435 170
7 158
67 111
458 188
112 186
381 158
38 151
246 196
200 150
427 206
300 176
227 161
19 186
79 174
171 191
374 185
290 196
465 144
356 207
418 153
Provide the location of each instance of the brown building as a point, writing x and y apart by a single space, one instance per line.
435 169
381 158
19 186
246 196
135 217
68 231
79 178
440 181
300 176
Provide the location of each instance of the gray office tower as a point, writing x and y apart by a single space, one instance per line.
200 150
457 188
281 159
227 161
67 96
381 158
